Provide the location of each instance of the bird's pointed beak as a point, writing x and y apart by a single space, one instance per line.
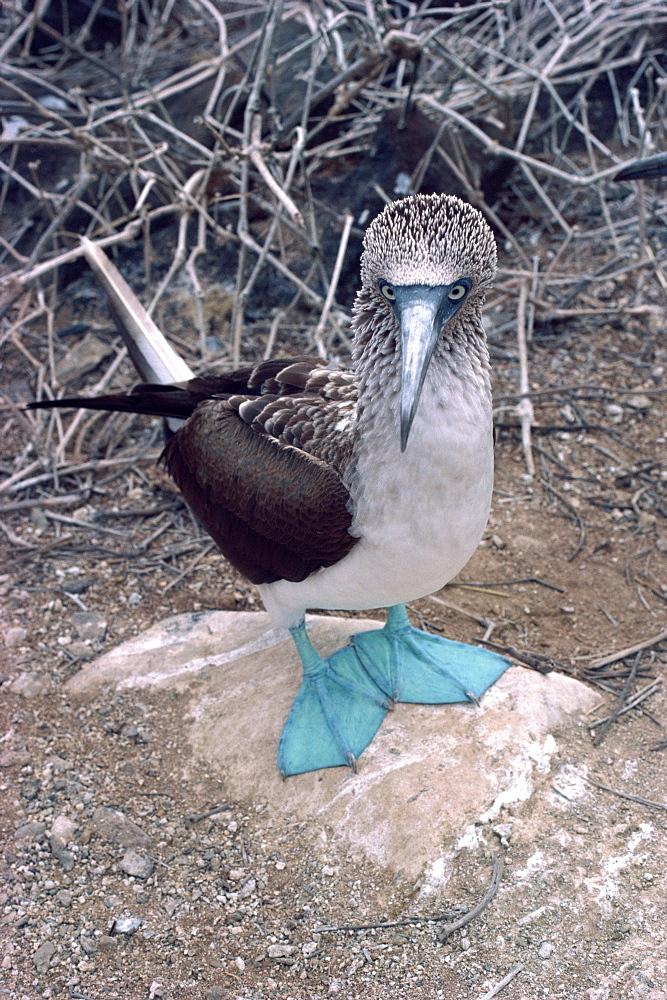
422 312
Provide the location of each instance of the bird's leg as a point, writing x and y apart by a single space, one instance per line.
415 666
336 713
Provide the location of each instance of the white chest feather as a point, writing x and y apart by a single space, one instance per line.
419 514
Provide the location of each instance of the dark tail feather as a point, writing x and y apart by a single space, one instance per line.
180 399
155 400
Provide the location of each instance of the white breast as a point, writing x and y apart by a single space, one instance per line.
419 514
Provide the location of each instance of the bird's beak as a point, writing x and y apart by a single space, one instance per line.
422 312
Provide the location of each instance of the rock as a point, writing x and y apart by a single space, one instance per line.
14 758
30 789
127 925
237 677
115 827
61 854
30 831
64 897
545 950
280 950
29 685
504 832
76 585
79 651
639 402
42 957
136 864
82 358
62 832
14 636
63 828
89 625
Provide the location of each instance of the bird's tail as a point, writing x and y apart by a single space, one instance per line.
170 401
156 362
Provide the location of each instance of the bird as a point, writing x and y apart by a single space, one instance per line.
652 166
353 489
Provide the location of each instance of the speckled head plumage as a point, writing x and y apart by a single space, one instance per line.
429 239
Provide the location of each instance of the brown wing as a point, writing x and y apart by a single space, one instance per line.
275 511
259 460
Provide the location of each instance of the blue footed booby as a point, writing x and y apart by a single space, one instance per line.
355 489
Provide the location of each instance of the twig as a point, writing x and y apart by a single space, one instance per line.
333 284
624 795
190 567
193 818
620 702
455 925
524 408
536 661
449 928
255 156
507 583
514 971
480 619
602 661
575 516
633 703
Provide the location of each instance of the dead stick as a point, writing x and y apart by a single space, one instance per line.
255 156
503 982
624 795
622 653
480 619
333 284
524 408
635 702
496 875
620 701
575 516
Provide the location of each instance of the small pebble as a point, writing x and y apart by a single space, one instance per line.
545 950
136 864
280 950
14 636
42 957
126 925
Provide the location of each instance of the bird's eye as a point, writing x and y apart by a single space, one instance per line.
458 292
388 292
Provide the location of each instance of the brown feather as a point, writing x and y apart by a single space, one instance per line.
274 511
259 460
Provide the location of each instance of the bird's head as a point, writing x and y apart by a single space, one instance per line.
427 262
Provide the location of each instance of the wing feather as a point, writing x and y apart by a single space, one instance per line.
259 460
275 511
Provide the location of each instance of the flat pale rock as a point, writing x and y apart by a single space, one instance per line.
429 773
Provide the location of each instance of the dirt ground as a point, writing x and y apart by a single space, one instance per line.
232 900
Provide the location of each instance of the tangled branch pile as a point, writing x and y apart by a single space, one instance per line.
195 126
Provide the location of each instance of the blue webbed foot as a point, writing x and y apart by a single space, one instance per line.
335 715
414 666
